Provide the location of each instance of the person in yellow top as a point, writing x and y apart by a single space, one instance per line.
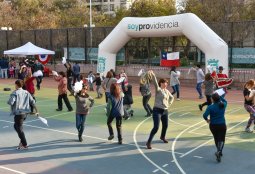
163 99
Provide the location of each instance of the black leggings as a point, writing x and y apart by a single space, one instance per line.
219 134
18 126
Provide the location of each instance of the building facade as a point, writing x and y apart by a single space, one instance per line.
109 6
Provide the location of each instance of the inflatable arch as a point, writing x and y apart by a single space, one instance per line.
188 24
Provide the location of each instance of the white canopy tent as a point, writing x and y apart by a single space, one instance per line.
28 49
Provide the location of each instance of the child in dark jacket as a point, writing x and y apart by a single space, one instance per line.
127 101
98 84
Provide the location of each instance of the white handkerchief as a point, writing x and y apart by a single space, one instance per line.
54 73
120 80
140 72
43 120
220 91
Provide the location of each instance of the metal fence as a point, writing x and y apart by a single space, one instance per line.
137 50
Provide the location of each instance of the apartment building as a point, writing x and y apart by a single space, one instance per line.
109 6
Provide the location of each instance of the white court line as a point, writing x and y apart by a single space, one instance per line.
192 150
173 147
92 137
61 114
184 114
15 171
165 165
141 152
232 111
230 138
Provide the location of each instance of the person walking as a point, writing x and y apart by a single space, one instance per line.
217 123
248 104
62 91
174 82
209 84
163 98
20 101
115 111
200 79
83 103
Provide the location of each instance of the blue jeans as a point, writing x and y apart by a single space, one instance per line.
157 115
176 90
199 89
80 122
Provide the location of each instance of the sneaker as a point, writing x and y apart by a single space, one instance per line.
120 142
132 113
126 117
200 107
178 99
200 97
148 145
58 109
248 130
110 137
148 115
22 147
218 157
80 138
70 110
164 140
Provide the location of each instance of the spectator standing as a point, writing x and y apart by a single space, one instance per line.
98 85
91 78
174 82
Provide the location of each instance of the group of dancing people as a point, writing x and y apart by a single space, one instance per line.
118 97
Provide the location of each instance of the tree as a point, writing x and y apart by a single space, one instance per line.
150 8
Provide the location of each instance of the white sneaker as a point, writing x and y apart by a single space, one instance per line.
178 99
248 130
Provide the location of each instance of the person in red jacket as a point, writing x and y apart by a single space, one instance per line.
29 86
62 91
221 76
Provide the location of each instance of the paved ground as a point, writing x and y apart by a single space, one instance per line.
55 149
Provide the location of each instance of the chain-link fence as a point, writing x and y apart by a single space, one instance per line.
137 50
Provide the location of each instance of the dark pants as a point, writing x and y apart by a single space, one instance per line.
60 104
157 115
176 90
18 126
80 122
219 134
146 106
32 106
76 77
38 82
69 84
106 96
208 100
118 126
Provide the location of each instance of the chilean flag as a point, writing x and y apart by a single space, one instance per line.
170 59
43 58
